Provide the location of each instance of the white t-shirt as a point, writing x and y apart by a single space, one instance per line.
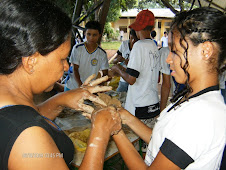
124 51
121 33
165 67
89 63
165 41
222 79
144 64
193 135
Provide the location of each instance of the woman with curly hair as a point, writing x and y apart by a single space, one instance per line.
191 132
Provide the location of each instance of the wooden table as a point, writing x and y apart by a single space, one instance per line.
78 121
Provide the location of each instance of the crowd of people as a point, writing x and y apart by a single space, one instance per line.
189 133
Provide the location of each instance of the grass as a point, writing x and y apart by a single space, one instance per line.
113 45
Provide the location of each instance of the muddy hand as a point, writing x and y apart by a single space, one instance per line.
109 118
91 86
124 114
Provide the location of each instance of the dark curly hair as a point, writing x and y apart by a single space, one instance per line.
200 25
29 26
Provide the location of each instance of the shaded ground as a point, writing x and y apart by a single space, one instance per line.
110 53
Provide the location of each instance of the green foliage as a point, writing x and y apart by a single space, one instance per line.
119 5
116 6
110 33
114 11
144 4
127 4
87 4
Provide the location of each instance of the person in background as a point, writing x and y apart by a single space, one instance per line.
121 35
87 58
166 83
175 141
223 85
35 42
77 40
83 36
122 58
153 35
164 40
142 71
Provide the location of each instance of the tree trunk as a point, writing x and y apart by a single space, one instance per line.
103 15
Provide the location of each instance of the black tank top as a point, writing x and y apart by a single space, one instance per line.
15 119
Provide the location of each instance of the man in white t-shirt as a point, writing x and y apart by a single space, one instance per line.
222 79
87 58
121 35
142 70
164 40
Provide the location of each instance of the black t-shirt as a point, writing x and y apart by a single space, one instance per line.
15 119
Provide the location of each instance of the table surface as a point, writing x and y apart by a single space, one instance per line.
111 151
79 122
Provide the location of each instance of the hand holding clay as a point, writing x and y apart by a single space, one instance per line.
75 98
107 118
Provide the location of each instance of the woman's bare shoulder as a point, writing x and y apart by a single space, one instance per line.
35 149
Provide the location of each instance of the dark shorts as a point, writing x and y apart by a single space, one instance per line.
147 112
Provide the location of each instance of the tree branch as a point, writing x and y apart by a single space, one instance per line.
181 5
167 4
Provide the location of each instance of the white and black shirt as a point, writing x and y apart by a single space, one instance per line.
165 67
124 51
144 64
89 63
192 135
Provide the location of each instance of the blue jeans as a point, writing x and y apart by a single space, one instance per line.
122 87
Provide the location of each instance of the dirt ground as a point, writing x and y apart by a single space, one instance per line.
110 53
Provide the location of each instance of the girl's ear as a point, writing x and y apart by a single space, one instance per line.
29 62
207 48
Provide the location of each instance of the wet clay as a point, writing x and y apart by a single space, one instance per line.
108 100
